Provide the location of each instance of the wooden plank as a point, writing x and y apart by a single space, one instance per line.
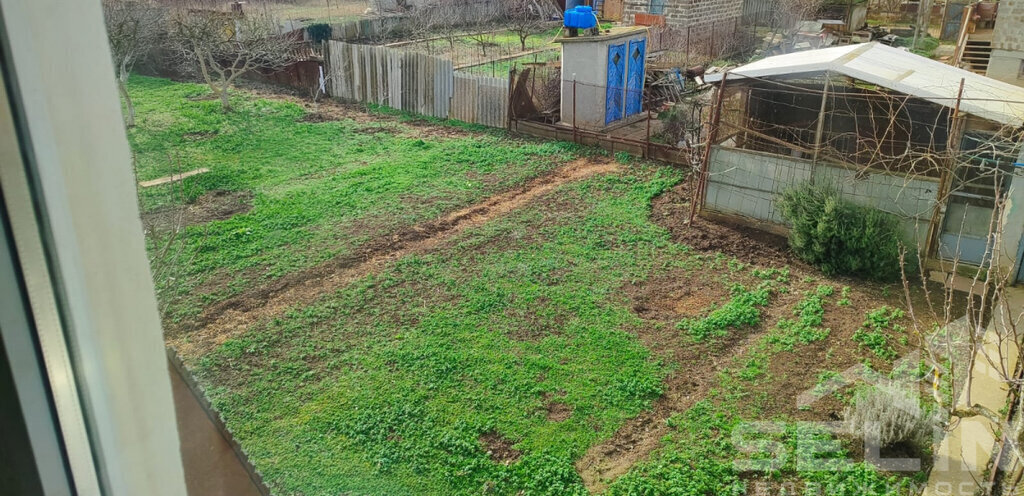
172 178
382 84
395 74
418 78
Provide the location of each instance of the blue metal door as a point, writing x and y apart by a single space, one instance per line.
616 83
635 80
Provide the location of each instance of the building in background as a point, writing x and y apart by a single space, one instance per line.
702 17
1006 62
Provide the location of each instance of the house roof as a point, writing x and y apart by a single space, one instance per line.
901 71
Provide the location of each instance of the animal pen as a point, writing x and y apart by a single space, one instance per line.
934 145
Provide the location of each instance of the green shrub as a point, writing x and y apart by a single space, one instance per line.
840 237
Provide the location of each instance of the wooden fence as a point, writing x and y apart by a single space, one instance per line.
480 99
414 82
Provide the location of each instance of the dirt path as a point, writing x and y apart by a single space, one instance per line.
231 317
638 437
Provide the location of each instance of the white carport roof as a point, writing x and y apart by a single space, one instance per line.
901 71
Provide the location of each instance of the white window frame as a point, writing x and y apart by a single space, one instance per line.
69 192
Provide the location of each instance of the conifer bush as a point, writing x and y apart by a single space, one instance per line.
840 237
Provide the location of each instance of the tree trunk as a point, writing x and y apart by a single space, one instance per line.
225 103
129 120
522 42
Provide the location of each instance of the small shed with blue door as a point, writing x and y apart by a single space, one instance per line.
603 78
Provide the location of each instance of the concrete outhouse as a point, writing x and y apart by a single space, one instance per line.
603 78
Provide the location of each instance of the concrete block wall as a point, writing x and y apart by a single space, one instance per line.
1005 65
1007 59
692 13
747 183
1009 31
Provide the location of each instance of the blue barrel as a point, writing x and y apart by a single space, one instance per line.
580 17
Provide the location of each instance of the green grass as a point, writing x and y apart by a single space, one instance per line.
723 446
501 68
321 190
386 386
925 46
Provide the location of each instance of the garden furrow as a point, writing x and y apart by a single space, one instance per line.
639 437
231 317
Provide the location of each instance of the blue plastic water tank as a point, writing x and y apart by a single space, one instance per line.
580 17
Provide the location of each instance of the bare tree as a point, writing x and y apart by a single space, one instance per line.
168 237
134 27
979 331
224 45
483 39
785 17
892 8
523 17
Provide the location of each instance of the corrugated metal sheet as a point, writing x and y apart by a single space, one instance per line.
414 82
901 71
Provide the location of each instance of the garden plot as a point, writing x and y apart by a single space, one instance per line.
538 320
484 47
501 68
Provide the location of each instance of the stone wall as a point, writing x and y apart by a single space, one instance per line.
1005 65
692 13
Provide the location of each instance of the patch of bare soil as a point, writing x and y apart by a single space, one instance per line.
640 436
671 210
498 448
558 411
230 317
790 371
671 297
211 206
664 300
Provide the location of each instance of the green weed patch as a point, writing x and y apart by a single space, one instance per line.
806 328
876 332
743 310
